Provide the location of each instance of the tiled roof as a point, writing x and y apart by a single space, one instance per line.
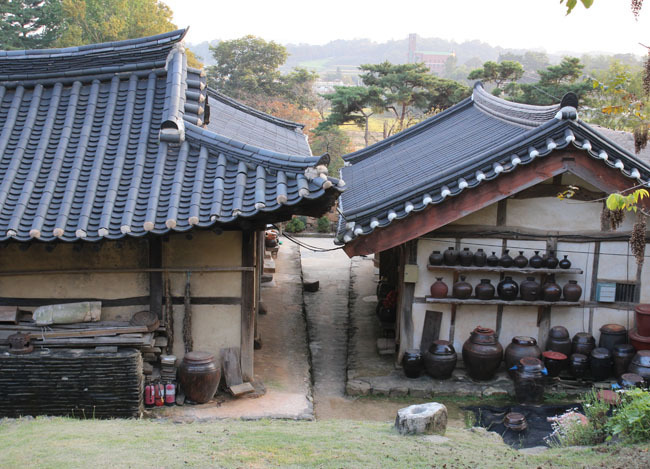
106 140
248 125
458 149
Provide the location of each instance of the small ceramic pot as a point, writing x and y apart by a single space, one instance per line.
572 291
529 289
551 291
480 258
436 258
552 261
520 261
555 362
565 263
536 261
450 256
508 289
465 257
492 260
484 290
506 260
461 289
439 289
631 380
412 363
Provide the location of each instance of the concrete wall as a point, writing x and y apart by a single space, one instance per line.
535 214
214 326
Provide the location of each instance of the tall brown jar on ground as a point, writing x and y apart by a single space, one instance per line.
520 347
199 376
482 353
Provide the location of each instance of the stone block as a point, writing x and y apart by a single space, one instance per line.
357 388
494 391
418 419
400 391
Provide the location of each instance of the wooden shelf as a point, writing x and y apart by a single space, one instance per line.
511 270
475 301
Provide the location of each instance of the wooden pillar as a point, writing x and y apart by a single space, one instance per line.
249 247
155 278
406 293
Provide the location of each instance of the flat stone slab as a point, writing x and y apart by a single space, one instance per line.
428 418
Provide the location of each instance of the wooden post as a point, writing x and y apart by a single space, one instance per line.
594 285
248 304
155 278
405 300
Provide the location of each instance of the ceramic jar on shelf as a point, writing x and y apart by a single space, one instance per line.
484 290
529 289
465 257
572 291
551 291
461 289
536 261
480 258
552 261
482 353
492 260
450 256
436 258
439 289
507 289
520 261
565 263
505 260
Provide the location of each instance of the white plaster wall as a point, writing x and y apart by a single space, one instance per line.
518 320
615 264
485 216
575 319
604 315
419 313
550 213
468 317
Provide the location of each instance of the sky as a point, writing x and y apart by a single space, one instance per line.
608 26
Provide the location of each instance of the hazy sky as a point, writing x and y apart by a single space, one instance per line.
607 26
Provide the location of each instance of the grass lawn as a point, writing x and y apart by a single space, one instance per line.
67 443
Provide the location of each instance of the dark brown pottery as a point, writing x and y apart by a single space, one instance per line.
641 365
555 362
439 289
584 343
642 317
529 381
508 289
436 258
639 341
412 363
482 353
529 289
559 340
552 261
515 421
450 256
461 289
578 365
199 376
622 355
506 260
520 261
630 380
611 335
572 291
536 261
480 258
565 263
492 260
484 290
385 313
466 257
440 360
520 347
551 291
600 363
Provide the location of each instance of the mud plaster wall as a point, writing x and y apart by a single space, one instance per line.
538 214
213 326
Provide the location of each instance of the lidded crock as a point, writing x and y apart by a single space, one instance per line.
440 359
601 364
412 363
641 365
482 353
520 347
612 335
578 365
559 340
555 362
529 381
584 343
199 376
622 357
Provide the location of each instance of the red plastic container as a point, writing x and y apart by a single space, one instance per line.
642 316
638 341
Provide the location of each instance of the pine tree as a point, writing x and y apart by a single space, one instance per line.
29 24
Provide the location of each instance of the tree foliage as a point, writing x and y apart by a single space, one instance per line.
501 74
331 139
555 82
29 24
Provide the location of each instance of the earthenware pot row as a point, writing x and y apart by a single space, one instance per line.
466 258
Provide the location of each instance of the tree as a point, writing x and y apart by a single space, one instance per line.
29 24
332 140
501 74
555 82
353 105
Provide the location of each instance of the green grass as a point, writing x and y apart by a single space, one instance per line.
68 443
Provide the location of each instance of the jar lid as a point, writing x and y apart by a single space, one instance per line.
584 338
601 353
642 358
631 379
579 358
613 329
559 332
198 357
524 340
642 308
514 419
552 355
624 348
442 347
530 364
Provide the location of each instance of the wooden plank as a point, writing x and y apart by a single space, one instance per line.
248 305
552 190
155 278
430 329
502 216
543 324
512 270
9 314
241 389
90 332
135 270
405 300
474 301
229 358
435 216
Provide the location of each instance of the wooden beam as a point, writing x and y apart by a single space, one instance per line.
593 171
249 246
405 300
156 288
552 190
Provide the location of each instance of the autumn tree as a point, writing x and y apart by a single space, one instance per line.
29 24
332 140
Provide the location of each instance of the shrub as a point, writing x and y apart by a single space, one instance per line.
573 429
323 225
631 420
296 225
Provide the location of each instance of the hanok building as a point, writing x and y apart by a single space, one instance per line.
485 174
121 172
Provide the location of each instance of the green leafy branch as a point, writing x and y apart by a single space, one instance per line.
628 202
570 4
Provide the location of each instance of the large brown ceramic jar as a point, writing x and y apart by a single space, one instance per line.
507 289
583 343
465 257
551 291
520 347
450 256
641 365
572 291
559 340
529 381
529 289
578 365
440 359
612 335
484 290
199 376
412 363
642 318
622 355
482 354
439 289
461 289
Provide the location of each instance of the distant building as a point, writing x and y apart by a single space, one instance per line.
435 61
